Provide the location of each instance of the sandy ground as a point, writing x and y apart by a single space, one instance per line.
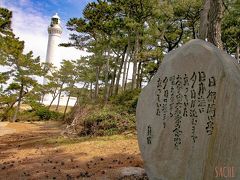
4 129
38 151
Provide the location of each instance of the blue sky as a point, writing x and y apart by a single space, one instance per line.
32 17
65 8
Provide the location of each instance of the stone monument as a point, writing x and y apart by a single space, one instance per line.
188 116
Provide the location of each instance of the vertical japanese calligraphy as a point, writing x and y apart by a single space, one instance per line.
165 101
193 111
211 108
159 90
178 113
184 98
149 134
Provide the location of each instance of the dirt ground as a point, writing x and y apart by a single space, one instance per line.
38 151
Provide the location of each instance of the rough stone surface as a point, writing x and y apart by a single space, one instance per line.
188 116
132 171
125 173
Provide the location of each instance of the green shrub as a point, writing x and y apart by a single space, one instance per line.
127 100
28 116
115 118
45 114
125 97
7 116
35 105
106 121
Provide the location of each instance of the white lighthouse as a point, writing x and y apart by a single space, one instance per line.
54 36
53 56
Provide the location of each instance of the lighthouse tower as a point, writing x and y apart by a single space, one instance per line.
54 36
54 31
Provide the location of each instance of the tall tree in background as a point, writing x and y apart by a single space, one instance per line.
125 34
215 18
210 25
203 29
26 68
231 28
5 21
6 36
22 68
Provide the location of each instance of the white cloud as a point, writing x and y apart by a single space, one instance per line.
30 25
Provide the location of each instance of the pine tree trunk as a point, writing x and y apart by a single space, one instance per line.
114 74
65 110
54 97
139 75
96 84
120 71
19 104
126 60
215 19
141 79
106 89
77 101
59 97
135 61
193 30
91 90
42 98
124 69
203 29
126 78
4 116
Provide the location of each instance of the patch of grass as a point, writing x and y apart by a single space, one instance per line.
107 122
60 108
60 140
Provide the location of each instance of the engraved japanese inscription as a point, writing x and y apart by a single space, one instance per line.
184 97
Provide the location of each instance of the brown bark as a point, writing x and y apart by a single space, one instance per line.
19 103
135 61
139 75
52 102
210 22
214 27
91 90
204 20
120 70
55 94
114 74
65 110
141 79
126 78
59 96
106 90
97 84
126 60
